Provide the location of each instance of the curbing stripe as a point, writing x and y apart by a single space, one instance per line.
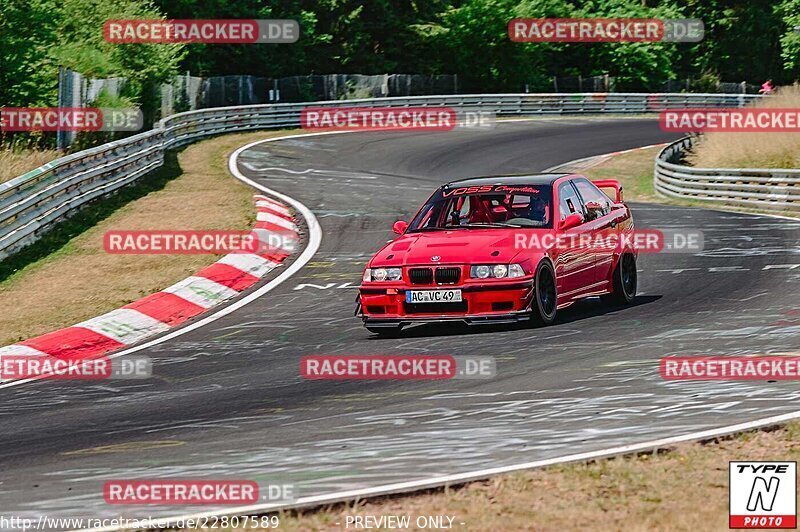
272 227
275 211
266 200
264 216
260 204
250 263
167 308
124 325
20 350
228 276
157 313
201 291
73 343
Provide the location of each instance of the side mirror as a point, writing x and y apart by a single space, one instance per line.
573 220
400 227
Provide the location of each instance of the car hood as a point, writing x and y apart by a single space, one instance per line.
461 246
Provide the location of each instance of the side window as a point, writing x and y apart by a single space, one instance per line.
593 196
569 202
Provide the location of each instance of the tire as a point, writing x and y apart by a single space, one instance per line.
624 281
545 298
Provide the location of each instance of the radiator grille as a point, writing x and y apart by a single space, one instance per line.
420 275
448 275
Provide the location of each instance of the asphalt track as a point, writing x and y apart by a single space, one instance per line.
227 400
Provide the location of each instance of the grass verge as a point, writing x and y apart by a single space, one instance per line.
758 149
683 489
68 277
634 170
14 163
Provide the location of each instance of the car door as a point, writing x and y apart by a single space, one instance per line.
601 224
574 263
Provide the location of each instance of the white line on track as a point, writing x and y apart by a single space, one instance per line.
255 168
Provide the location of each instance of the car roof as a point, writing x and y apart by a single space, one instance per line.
521 179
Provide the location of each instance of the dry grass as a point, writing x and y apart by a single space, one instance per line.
685 489
753 149
633 169
15 163
80 280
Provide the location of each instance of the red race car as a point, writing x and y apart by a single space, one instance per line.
502 249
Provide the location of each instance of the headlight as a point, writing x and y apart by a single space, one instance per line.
383 274
497 271
481 272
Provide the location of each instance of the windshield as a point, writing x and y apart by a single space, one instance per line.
489 206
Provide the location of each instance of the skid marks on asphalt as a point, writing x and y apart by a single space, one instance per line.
456 429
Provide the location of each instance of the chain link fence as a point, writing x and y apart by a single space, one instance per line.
75 90
187 93
690 85
607 83
603 83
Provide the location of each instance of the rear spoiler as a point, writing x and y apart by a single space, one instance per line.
610 183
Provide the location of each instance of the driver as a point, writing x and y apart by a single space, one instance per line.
537 210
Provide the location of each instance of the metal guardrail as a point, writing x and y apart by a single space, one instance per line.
32 203
745 187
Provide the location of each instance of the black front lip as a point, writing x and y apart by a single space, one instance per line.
394 323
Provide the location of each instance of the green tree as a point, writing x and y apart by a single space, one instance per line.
789 12
742 40
28 75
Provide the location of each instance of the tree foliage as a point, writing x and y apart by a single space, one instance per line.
745 40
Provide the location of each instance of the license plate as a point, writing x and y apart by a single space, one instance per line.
433 296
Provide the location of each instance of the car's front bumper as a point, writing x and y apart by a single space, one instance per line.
491 302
